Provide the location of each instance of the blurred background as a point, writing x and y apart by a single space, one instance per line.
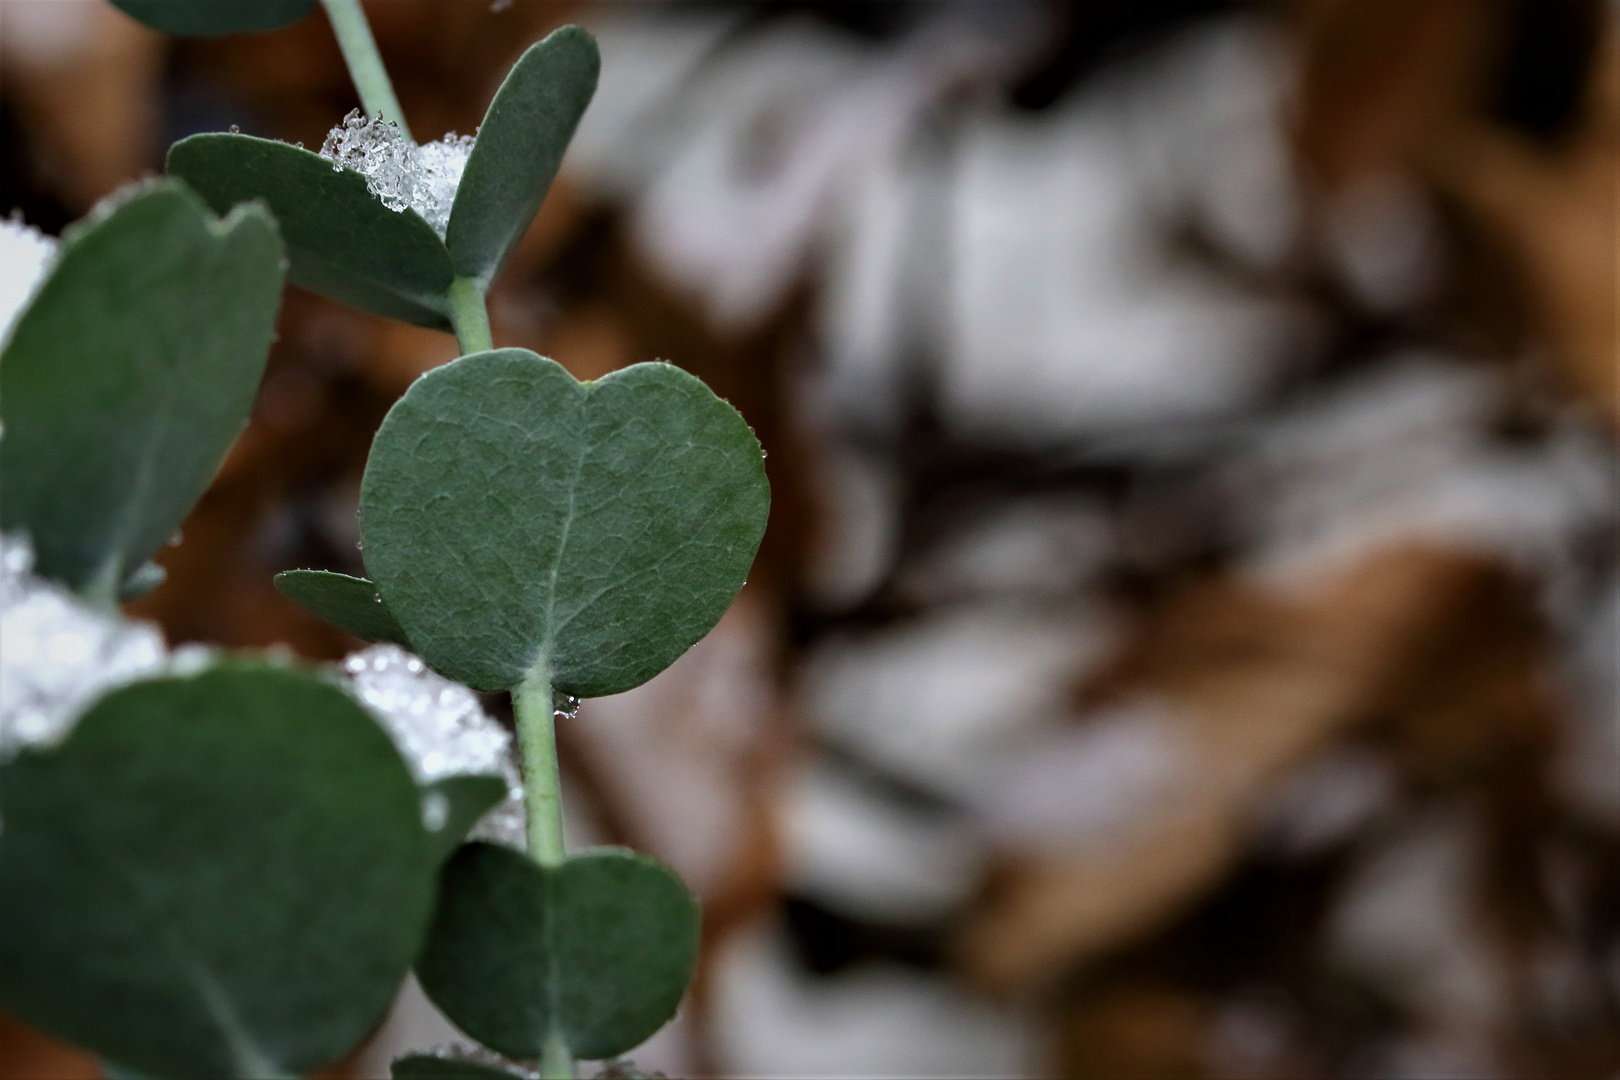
1187 641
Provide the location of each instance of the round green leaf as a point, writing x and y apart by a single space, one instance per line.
601 946
343 242
509 511
350 603
519 149
130 375
221 875
210 18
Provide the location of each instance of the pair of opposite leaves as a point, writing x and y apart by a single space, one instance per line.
344 243
269 935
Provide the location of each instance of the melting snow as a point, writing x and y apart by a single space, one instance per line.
441 730
25 256
61 654
400 173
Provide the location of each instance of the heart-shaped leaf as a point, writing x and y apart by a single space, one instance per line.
221 875
343 242
452 806
433 1067
210 18
130 375
348 602
601 947
509 511
519 149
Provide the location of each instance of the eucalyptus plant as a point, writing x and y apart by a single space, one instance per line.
227 868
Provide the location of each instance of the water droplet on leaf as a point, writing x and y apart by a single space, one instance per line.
435 811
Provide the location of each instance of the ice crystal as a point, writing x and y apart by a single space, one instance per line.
400 173
378 151
25 257
57 655
439 166
441 730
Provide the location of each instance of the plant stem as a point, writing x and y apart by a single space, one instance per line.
556 1063
542 789
469 317
365 63
542 795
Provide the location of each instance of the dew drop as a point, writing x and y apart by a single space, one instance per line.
435 811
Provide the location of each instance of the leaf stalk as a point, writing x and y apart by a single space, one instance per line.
542 797
556 1062
365 64
542 787
469 317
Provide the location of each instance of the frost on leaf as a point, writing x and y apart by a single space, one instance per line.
400 173
59 654
440 729
25 257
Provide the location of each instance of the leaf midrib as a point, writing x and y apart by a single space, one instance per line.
249 1057
549 644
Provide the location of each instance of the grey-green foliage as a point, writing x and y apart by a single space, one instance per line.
343 242
509 511
219 875
600 947
210 18
519 149
348 602
130 375
228 873
347 245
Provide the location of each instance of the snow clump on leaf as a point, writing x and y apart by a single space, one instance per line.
400 173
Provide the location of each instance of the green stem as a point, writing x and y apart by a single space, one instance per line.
365 63
556 1063
542 794
542 788
469 316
